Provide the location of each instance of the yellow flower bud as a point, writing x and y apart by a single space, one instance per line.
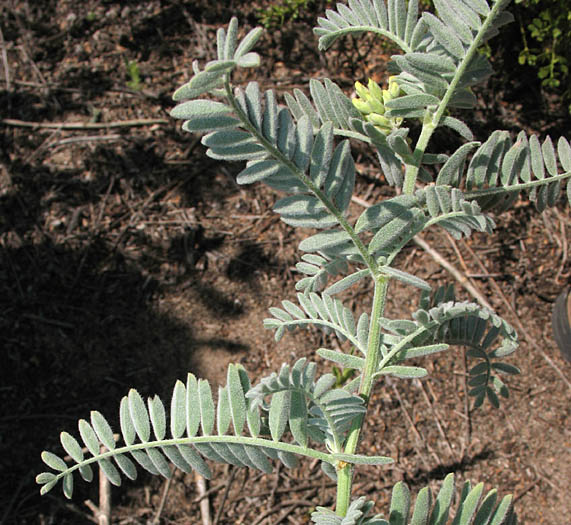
374 89
361 105
386 96
361 90
394 88
371 100
377 106
379 120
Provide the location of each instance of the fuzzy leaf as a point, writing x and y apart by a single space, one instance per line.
178 410
158 417
298 417
89 437
357 459
236 399
406 278
248 42
279 412
102 429
139 415
400 504
206 407
404 372
441 509
71 446
345 360
53 461
199 108
192 410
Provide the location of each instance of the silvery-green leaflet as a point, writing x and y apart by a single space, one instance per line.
301 146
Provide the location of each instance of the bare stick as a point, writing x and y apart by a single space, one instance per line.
466 405
83 125
104 517
230 477
436 419
101 514
5 61
418 435
290 504
294 504
161 506
204 500
564 246
457 274
275 485
85 138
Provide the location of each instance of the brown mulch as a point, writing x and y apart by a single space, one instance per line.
128 258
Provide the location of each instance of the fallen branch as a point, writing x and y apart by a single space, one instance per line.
156 520
230 477
457 274
102 513
85 138
5 61
84 125
418 435
104 517
204 500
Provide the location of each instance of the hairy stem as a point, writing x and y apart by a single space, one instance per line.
412 169
345 473
197 440
431 122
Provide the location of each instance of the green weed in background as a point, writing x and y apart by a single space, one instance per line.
546 38
545 28
133 74
281 11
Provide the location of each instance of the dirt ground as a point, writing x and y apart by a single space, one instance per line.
128 258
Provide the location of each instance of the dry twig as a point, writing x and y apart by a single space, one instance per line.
204 500
84 125
418 435
468 438
230 477
104 516
457 274
85 138
5 61
161 506
436 419
290 504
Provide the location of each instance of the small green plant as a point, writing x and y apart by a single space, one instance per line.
134 75
546 30
303 149
278 13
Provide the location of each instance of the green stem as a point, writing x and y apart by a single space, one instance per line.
238 440
412 169
431 122
389 35
523 186
345 473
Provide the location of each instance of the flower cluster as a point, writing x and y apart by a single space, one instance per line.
371 100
